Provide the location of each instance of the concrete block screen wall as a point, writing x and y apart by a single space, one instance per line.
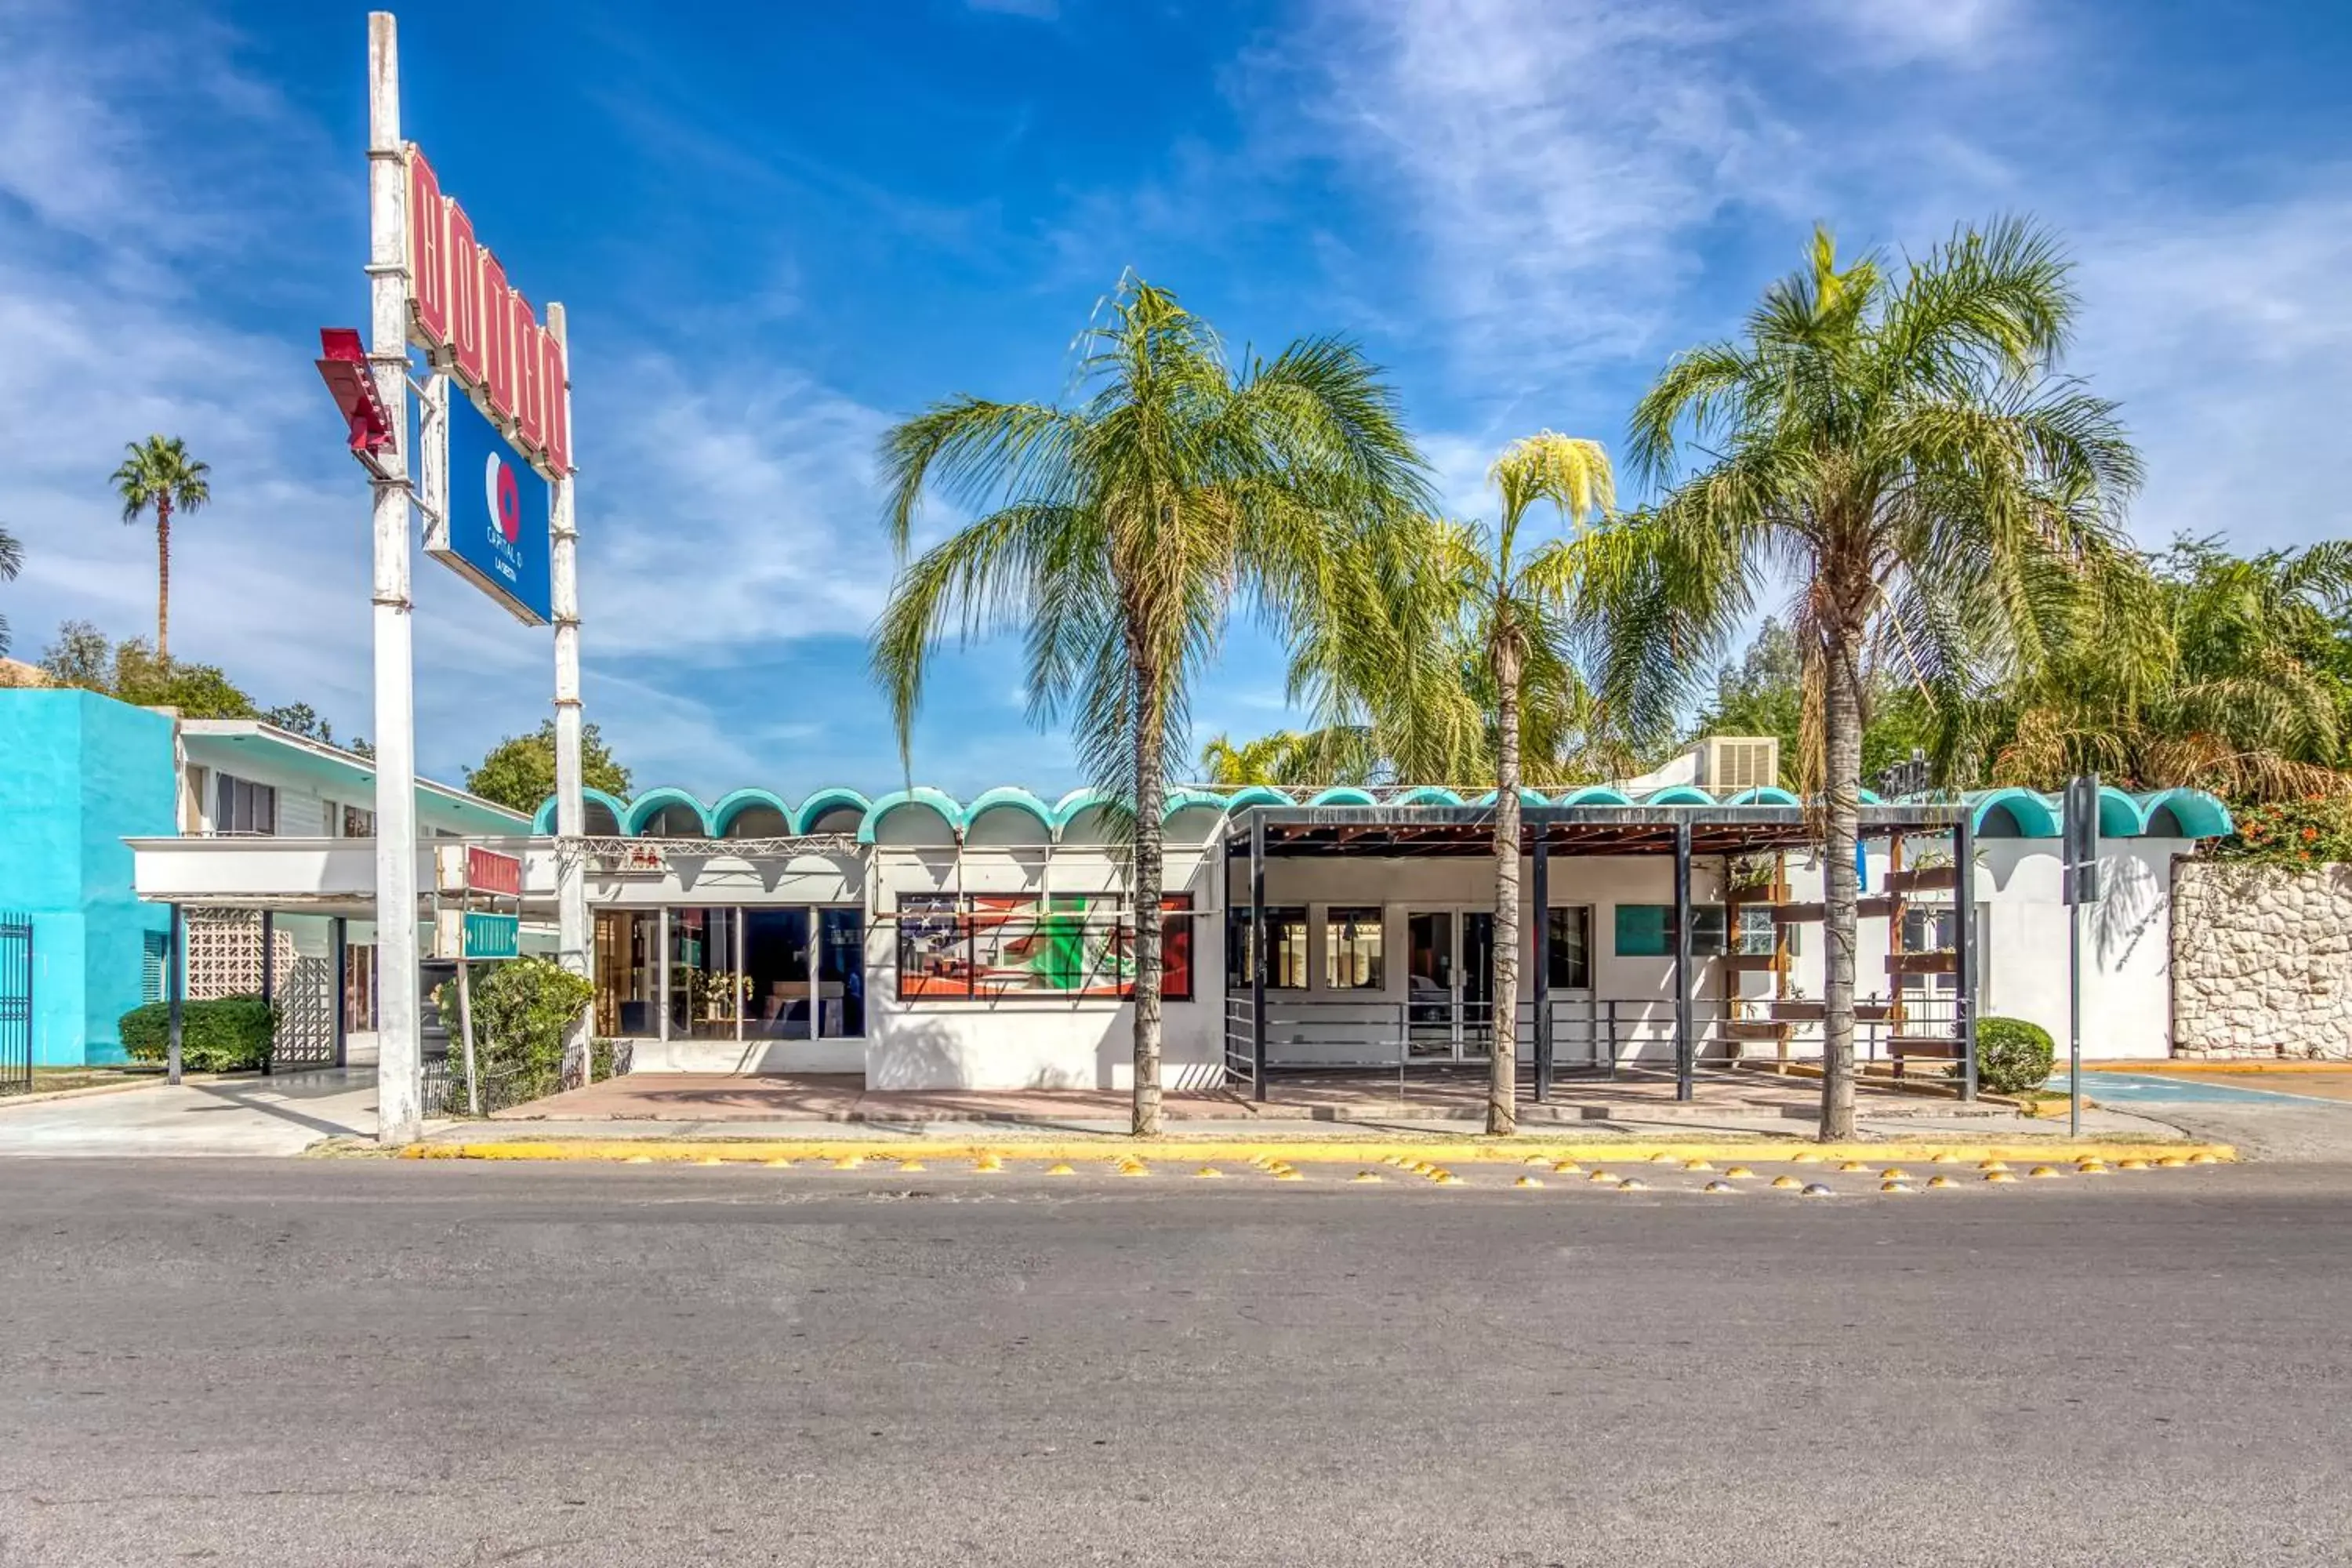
78 774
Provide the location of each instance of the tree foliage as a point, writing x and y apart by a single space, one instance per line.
518 773
159 477
1112 534
12 561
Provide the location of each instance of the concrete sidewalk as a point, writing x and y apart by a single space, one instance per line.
283 1114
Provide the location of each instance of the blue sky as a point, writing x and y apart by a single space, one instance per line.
778 227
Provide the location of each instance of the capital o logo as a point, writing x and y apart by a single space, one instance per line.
505 497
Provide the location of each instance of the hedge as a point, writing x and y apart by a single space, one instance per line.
231 1034
522 1008
2012 1056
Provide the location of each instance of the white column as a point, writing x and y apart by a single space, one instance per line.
571 809
400 1088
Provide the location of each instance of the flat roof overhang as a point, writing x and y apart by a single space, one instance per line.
1413 831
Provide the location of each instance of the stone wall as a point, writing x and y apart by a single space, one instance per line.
2262 961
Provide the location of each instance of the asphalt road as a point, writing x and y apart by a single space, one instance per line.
364 1362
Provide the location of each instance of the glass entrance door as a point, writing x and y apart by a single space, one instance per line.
1477 999
1429 1019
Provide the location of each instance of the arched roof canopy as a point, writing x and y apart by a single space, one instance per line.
1343 795
826 802
1008 815
1680 794
751 814
916 804
602 813
1596 795
2194 813
1429 794
2014 814
1256 794
666 813
1764 795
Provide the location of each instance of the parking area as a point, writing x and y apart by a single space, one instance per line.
283 1114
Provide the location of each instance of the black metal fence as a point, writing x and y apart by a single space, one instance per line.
16 1003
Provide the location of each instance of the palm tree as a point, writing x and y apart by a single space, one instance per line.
12 561
158 475
1113 534
1902 446
1511 603
1337 753
2204 669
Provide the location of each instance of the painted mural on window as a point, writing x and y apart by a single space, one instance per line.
987 946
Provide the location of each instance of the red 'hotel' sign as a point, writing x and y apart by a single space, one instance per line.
461 307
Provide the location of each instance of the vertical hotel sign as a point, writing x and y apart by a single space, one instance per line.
479 329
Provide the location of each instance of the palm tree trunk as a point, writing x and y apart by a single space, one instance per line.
1502 1076
1151 789
1841 740
163 579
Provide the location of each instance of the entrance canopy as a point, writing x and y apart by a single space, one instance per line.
1398 830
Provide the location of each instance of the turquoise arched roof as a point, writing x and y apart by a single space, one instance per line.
1595 794
1527 797
1868 796
2034 815
727 806
804 820
1764 795
2119 815
1181 799
1007 797
1343 795
544 819
1256 794
1679 794
1084 798
649 806
922 795
1429 794
2201 815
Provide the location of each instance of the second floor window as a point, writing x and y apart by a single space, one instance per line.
240 805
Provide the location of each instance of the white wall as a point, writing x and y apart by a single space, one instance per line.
2126 943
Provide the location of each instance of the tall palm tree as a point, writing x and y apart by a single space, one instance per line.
1901 446
12 561
1113 533
157 475
1512 602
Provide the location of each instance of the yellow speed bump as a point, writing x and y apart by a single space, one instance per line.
2092 1168
1061 1168
1718 1188
1784 1182
1939 1181
1697 1165
2170 1163
1990 1165
711 1160
1528 1182
1599 1176
988 1165
2045 1173
1806 1159
2202 1159
1367 1176
1536 1162
1816 1189
1998 1176
911 1166
1565 1168
1134 1168
1208 1172
1740 1174
1661 1158
1288 1175
1446 1179
778 1164
1633 1185
850 1163
1946 1158
2131 1165
1852 1168
638 1160
1895 1174
1893 1187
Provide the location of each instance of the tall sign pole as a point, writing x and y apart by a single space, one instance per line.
571 808
2080 872
400 1087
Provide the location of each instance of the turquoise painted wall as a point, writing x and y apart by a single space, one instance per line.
78 774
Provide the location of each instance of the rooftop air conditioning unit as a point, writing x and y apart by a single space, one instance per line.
1730 763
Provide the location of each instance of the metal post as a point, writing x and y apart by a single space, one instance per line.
466 1026
1257 955
269 978
176 991
1964 942
572 930
342 945
400 1086
1682 1047
1541 894
661 988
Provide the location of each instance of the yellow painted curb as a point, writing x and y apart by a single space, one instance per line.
1308 1152
2222 1065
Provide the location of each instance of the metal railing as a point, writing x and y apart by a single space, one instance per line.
16 1003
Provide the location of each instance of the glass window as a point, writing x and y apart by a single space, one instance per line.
1570 948
780 1003
841 972
1351 948
706 989
358 822
1176 947
989 945
628 983
1286 961
934 947
240 805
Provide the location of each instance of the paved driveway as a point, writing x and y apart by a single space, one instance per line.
280 1115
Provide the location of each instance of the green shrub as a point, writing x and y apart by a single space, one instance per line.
232 1033
2012 1056
521 1007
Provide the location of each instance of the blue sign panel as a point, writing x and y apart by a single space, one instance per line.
492 936
498 516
